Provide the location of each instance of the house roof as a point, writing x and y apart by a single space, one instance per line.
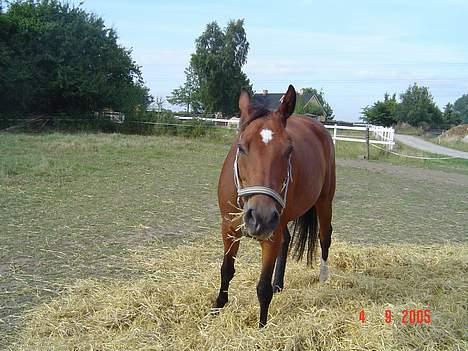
272 100
312 99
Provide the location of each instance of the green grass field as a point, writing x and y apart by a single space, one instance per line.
80 207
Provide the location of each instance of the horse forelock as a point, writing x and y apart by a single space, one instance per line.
257 111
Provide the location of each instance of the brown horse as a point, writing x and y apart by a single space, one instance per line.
280 168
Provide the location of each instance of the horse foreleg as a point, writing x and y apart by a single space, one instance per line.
231 246
270 250
280 267
324 213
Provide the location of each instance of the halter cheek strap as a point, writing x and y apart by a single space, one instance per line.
260 189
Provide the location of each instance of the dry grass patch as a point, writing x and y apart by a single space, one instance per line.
169 309
455 138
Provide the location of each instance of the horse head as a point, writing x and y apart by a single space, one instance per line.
262 168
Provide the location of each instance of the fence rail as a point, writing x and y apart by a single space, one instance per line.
371 134
382 135
232 122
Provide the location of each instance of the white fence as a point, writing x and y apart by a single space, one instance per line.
232 122
370 134
382 135
114 116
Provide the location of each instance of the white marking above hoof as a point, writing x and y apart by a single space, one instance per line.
267 135
324 274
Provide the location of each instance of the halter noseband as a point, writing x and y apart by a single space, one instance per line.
260 189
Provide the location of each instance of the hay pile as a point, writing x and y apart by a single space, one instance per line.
459 132
169 308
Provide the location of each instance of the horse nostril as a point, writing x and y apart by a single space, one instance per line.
249 215
275 217
258 227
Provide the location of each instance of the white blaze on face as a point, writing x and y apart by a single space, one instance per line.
267 135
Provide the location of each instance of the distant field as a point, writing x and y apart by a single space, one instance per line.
79 209
456 144
352 150
454 141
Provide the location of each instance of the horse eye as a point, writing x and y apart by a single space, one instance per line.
242 149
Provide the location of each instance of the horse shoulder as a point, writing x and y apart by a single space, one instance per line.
226 186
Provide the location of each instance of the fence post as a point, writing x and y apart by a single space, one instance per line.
391 136
387 138
334 134
367 141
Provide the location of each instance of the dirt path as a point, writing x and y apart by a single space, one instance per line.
407 172
423 145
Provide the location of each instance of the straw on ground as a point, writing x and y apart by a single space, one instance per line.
168 309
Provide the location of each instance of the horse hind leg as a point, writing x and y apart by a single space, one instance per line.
325 245
324 213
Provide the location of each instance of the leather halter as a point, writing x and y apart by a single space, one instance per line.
260 189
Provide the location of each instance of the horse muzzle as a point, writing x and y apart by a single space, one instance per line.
261 221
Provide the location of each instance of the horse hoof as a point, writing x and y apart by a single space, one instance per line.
214 311
277 289
323 278
324 274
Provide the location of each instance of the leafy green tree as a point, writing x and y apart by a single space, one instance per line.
417 108
180 97
187 94
381 112
461 106
451 117
217 69
56 57
7 71
303 106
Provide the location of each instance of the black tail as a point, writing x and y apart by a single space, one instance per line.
305 232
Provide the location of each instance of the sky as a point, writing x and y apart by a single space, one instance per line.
355 51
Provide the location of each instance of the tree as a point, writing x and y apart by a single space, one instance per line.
451 117
187 94
216 66
56 57
461 106
159 102
417 108
381 112
303 106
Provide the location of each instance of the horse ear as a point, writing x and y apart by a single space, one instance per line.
288 104
244 103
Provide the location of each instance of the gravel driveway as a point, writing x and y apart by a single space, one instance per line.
423 145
